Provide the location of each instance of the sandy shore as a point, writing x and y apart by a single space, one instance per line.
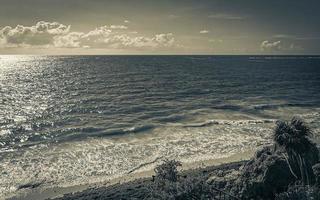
134 178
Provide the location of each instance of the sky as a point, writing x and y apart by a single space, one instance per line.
160 27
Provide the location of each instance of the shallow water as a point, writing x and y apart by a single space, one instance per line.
74 119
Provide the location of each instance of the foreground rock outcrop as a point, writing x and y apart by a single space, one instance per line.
291 160
264 176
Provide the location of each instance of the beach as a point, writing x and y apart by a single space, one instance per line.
124 187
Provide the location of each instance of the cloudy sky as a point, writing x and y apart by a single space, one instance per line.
159 27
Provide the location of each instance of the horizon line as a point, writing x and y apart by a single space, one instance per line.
289 55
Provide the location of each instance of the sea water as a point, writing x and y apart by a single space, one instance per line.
67 120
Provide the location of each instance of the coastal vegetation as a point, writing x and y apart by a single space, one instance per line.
168 184
288 169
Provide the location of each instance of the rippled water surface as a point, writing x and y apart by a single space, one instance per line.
66 120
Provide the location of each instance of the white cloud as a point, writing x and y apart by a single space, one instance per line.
118 27
104 39
98 32
270 46
277 46
56 35
40 34
126 21
164 39
70 40
125 41
204 31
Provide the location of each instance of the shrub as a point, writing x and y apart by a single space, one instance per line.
168 170
302 154
188 188
300 192
294 135
169 185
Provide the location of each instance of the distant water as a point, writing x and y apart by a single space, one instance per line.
65 120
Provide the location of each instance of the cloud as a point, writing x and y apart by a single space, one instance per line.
270 46
40 34
70 40
125 41
56 35
225 16
126 21
118 27
164 39
104 38
204 31
277 46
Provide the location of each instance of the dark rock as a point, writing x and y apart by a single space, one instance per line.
265 175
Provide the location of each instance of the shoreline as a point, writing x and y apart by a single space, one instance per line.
58 192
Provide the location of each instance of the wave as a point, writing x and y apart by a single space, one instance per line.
227 107
231 122
274 106
171 118
66 135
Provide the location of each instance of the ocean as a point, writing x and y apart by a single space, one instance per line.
67 120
